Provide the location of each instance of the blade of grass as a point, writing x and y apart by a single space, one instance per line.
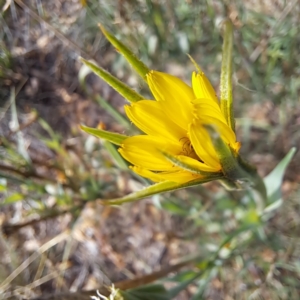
112 111
114 153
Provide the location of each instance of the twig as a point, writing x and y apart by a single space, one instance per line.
123 285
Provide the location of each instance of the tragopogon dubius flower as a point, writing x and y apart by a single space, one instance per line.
176 145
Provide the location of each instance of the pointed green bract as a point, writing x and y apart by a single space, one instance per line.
228 161
176 161
139 66
115 83
114 138
199 70
154 189
226 99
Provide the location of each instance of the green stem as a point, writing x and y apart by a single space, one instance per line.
226 99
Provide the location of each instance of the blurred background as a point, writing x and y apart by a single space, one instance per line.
55 236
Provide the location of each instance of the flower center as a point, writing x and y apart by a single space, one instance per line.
188 149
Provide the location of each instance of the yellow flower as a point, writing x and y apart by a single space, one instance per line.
176 146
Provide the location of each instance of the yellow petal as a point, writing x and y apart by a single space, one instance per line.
205 107
149 116
147 174
236 146
175 97
203 146
177 176
223 129
196 164
210 114
144 151
203 88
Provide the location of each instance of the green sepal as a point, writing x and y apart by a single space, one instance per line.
226 99
161 187
229 163
115 83
197 67
114 138
177 162
139 66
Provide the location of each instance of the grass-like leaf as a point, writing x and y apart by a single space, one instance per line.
274 180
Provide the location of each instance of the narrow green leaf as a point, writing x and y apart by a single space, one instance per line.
15 126
146 292
174 208
274 180
52 144
139 66
181 276
114 138
3 185
50 131
176 161
115 83
154 189
12 199
173 292
257 183
204 283
150 288
112 111
226 100
114 153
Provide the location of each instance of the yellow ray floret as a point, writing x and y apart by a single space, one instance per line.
176 145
